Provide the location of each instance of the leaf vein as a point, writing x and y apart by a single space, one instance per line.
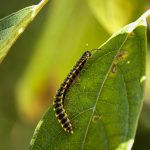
99 93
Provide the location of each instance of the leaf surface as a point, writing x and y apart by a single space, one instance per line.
104 101
13 25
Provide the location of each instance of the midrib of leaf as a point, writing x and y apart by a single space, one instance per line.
99 93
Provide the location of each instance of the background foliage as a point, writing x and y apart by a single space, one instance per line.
44 54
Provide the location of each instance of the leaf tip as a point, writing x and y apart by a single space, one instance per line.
42 3
140 21
146 14
38 7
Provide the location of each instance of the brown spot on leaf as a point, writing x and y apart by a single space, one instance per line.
114 68
96 118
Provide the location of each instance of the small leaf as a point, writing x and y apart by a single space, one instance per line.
13 25
105 100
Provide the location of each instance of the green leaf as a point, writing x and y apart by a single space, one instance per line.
13 25
105 100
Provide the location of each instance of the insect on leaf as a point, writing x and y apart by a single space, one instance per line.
13 25
105 99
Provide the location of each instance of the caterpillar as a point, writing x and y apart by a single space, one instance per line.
64 87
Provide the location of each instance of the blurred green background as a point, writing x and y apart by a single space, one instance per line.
44 54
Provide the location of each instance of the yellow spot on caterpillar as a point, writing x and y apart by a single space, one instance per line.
70 77
61 96
75 70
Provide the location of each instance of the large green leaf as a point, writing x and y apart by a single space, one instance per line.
105 100
13 25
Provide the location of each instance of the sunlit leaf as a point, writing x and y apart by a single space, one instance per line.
105 100
13 25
